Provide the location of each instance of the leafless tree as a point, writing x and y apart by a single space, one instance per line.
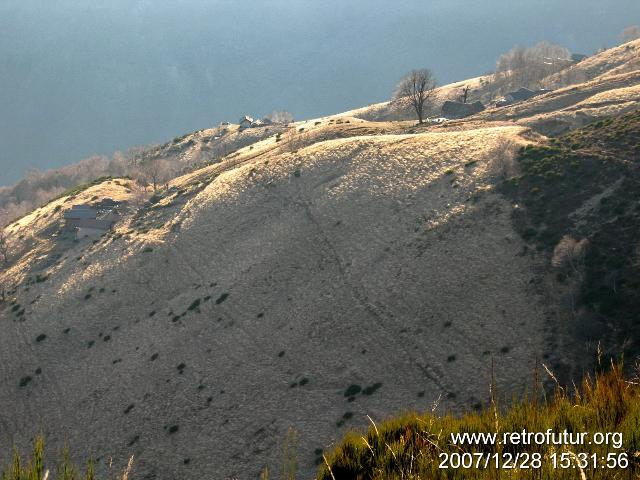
121 164
292 140
139 195
569 259
4 247
4 253
4 240
3 291
38 187
569 254
526 67
465 94
416 88
503 158
569 76
281 116
630 33
154 172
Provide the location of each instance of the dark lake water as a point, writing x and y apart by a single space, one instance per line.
79 77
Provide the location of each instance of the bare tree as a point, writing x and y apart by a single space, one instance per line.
569 254
292 140
4 240
282 117
3 291
630 33
526 67
465 94
510 66
502 157
4 254
139 195
153 172
4 247
416 88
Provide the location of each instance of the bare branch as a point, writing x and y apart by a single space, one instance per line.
630 33
283 117
416 88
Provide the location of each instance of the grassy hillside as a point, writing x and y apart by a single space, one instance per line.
413 446
264 288
206 314
573 106
579 200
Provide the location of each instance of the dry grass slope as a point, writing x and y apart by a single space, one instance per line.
207 313
267 289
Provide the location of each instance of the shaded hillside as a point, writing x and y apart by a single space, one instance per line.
580 202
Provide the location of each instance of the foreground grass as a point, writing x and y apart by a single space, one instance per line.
34 468
410 446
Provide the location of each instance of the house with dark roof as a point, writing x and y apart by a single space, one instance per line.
460 110
93 227
87 221
523 94
78 213
245 122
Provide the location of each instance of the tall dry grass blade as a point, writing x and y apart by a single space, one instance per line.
392 452
264 475
368 446
328 467
583 476
127 471
492 387
553 377
436 403
535 383
374 425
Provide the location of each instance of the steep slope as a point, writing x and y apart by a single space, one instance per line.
624 58
572 107
278 289
580 198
